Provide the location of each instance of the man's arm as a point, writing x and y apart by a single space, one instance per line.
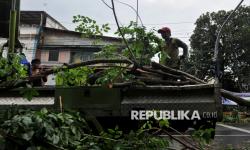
183 46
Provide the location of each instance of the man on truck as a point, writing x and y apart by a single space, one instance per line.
170 50
36 69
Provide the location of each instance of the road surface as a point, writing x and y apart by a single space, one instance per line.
235 136
227 137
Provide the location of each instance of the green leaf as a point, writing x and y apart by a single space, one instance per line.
26 121
111 131
73 129
163 123
56 139
28 135
44 111
29 93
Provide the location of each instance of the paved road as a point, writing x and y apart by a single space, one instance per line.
232 136
228 137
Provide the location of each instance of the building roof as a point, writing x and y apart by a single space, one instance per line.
108 38
65 39
37 18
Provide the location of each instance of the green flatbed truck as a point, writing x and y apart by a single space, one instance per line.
116 104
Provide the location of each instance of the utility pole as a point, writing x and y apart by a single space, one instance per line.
217 54
218 58
12 27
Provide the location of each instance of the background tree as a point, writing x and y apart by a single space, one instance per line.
234 44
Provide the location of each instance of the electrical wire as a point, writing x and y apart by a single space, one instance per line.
109 8
137 14
106 4
151 24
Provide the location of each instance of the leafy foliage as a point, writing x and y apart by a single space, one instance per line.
109 52
29 93
140 139
112 75
41 127
89 26
234 118
11 71
144 44
11 68
73 77
47 130
234 44
203 136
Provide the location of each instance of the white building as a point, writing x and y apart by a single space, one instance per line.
45 38
30 27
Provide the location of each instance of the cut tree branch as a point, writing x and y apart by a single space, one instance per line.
175 71
165 74
86 63
162 82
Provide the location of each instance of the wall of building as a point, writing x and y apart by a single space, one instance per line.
50 23
72 47
28 38
64 56
59 37
38 41
54 38
44 56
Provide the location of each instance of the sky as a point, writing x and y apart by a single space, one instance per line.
179 15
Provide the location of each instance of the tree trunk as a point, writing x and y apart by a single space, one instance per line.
236 99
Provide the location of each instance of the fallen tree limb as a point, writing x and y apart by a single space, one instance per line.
140 72
154 81
237 99
172 76
193 81
128 84
162 75
14 84
86 63
187 145
174 71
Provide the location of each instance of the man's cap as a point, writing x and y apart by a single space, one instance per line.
164 29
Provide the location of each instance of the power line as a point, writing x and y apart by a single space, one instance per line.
137 15
67 22
169 23
106 4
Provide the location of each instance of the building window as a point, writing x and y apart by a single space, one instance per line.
76 57
53 55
